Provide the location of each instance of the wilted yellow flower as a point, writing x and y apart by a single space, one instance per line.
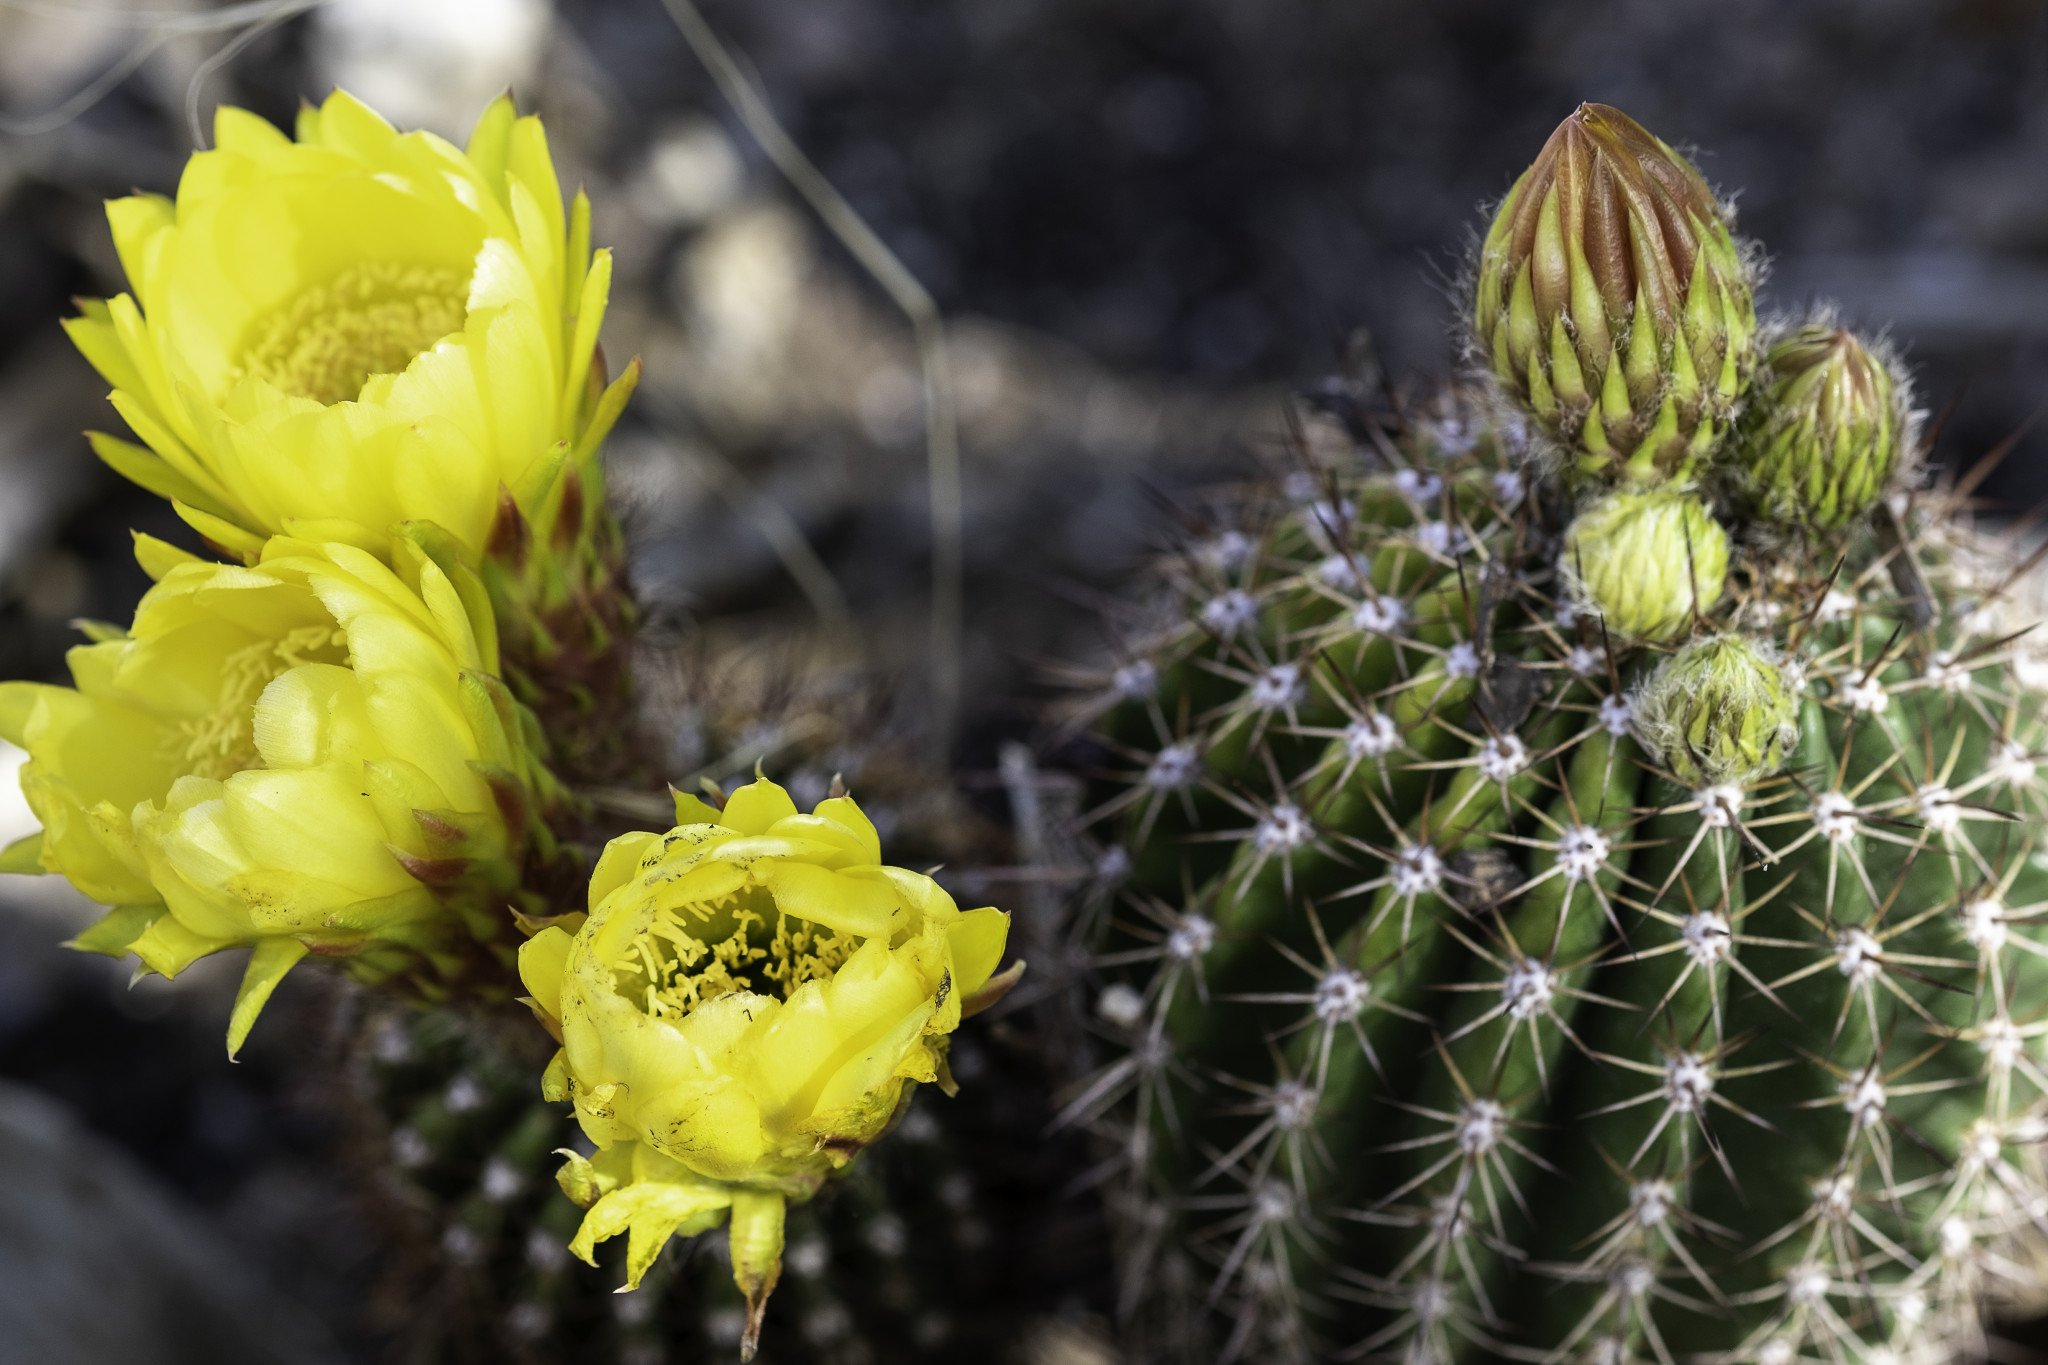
309 754
358 326
746 1008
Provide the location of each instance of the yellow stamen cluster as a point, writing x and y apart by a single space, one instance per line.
373 318
694 953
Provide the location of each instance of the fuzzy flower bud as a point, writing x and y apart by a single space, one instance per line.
1613 303
1719 712
747 1006
1648 563
1823 442
310 754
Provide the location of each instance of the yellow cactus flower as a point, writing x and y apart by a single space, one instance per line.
358 326
309 754
747 1006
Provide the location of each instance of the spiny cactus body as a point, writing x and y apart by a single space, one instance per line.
1481 985
1590 931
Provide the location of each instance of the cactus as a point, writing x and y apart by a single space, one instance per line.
900 1264
1483 983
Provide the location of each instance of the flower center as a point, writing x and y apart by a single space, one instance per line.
371 319
222 742
692 954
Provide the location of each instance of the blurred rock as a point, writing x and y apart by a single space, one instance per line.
17 821
692 170
738 287
429 65
98 1264
781 361
47 52
1057 1342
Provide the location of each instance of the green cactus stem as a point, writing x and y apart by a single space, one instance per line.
1476 985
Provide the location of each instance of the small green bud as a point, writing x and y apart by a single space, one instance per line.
1719 712
1613 303
1648 563
1822 444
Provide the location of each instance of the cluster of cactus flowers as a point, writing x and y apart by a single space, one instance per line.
363 366
1571 849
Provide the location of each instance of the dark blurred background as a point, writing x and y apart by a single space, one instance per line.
1146 217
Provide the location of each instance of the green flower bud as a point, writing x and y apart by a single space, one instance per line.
1719 712
1646 562
1823 443
1613 303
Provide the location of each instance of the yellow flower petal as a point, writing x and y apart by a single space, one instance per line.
272 958
617 864
542 960
755 808
691 810
849 905
977 940
651 1214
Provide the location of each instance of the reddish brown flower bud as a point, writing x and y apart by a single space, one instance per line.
1613 303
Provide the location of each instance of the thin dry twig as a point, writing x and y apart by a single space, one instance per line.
776 526
942 435
154 28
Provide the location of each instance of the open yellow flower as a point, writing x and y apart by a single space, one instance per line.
747 1006
358 326
309 754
